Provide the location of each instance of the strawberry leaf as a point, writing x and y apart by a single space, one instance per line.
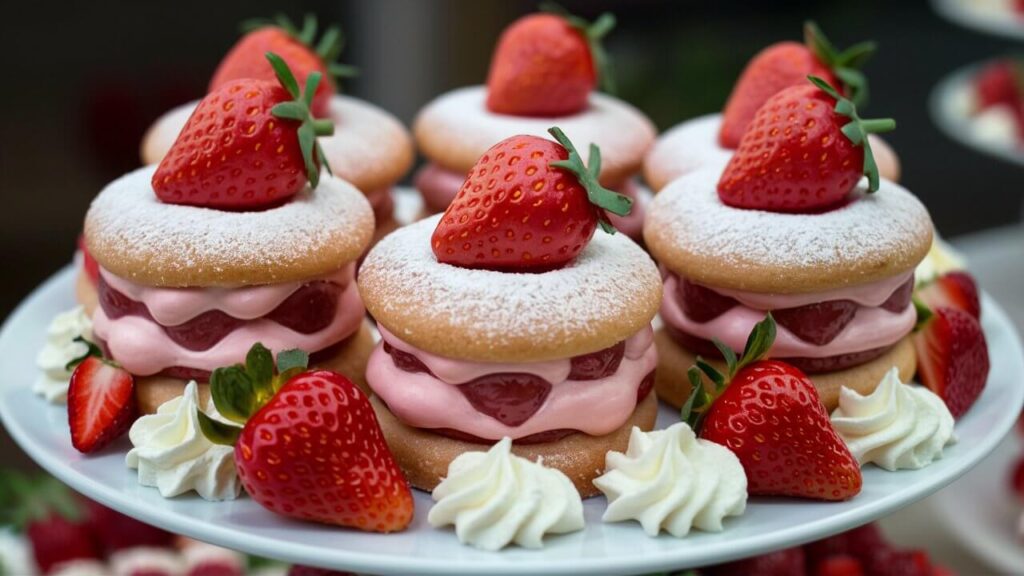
598 195
299 111
232 391
91 350
857 129
216 431
759 342
259 366
594 33
291 359
844 64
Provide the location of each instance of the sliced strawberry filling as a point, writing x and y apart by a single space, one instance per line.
308 310
706 348
818 323
541 437
200 375
512 398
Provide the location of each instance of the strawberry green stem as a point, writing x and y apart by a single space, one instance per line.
844 64
857 129
588 178
298 109
328 48
594 33
759 342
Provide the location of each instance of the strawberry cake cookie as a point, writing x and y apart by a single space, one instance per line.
543 72
234 238
369 148
713 138
509 317
789 226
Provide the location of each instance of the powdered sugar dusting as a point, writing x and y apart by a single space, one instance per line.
612 278
621 131
871 231
685 148
137 237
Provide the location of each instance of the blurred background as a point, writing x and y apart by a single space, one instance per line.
83 83
85 80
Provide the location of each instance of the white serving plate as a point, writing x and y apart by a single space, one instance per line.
41 430
947 105
986 16
983 513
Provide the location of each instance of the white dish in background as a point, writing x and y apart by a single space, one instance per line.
950 105
986 16
41 430
983 513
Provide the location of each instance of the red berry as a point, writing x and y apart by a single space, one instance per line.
952 357
953 289
55 540
596 365
1017 479
247 60
795 157
518 212
101 404
771 417
543 66
316 452
841 565
701 303
236 153
114 531
862 543
788 562
772 70
996 84
312 571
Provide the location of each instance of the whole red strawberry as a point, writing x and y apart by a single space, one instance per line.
249 144
310 447
786 64
952 356
805 151
50 516
769 414
787 562
247 58
101 401
547 65
528 204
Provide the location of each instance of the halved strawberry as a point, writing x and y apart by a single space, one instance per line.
952 357
953 289
101 403
89 264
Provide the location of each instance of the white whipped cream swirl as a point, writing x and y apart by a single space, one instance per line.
670 480
495 498
897 427
59 349
172 454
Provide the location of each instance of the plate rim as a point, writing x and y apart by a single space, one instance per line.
594 564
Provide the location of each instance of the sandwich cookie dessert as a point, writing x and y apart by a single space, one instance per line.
234 238
509 317
543 73
369 148
712 139
788 227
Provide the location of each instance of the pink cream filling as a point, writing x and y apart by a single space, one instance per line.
871 327
143 348
439 186
594 407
